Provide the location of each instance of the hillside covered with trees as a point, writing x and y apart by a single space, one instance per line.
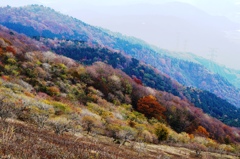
145 74
51 101
39 21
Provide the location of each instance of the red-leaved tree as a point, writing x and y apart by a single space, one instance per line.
150 107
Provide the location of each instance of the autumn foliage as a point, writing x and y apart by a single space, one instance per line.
201 131
11 49
150 107
138 81
99 99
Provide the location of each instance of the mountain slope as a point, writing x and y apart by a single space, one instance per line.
184 71
67 92
149 76
48 23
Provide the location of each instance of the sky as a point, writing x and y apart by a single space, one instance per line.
216 7
98 13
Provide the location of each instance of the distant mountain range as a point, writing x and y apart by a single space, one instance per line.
232 75
174 26
40 22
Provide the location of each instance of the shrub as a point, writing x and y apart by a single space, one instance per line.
11 61
147 136
53 90
6 108
60 125
60 108
88 122
112 131
161 131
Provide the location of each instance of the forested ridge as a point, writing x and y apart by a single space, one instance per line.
147 75
39 21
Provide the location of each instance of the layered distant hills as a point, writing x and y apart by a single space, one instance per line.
232 75
175 26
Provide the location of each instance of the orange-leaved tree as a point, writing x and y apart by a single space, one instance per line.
201 131
150 107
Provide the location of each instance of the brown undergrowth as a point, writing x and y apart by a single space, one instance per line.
22 141
18 140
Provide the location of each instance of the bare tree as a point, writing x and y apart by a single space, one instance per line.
40 119
6 109
126 136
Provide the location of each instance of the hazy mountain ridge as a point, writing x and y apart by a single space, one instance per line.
178 10
170 26
232 75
